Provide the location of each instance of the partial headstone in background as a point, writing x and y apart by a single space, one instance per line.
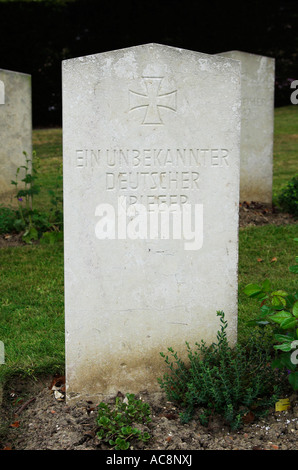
2 354
257 127
144 129
2 93
15 127
2 361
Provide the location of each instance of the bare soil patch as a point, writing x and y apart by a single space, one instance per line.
11 239
37 420
255 213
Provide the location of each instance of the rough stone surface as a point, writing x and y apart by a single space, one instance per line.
147 125
257 125
15 126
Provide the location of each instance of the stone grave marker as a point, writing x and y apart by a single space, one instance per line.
15 127
151 150
257 126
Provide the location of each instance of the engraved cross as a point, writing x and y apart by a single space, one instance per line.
152 100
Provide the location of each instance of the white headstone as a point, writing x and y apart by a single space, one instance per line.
257 127
15 126
147 128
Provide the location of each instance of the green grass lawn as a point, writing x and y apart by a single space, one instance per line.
275 246
32 303
47 144
285 163
32 308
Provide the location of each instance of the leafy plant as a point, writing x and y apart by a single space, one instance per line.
26 194
280 310
7 219
221 379
288 197
34 224
116 424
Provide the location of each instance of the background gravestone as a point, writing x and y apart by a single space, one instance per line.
2 93
15 127
257 126
143 126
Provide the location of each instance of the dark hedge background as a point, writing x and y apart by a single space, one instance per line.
35 36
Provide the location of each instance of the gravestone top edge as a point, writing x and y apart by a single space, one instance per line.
180 50
15 72
244 53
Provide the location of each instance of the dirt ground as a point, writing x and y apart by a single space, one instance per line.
36 417
37 420
254 213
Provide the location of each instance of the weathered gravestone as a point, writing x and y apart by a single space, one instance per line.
15 126
257 126
151 135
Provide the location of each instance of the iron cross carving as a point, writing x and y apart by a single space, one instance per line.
152 100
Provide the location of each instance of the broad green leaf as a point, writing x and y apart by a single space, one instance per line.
261 296
280 316
252 289
266 310
266 285
278 301
286 338
294 269
286 347
279 293
291 299
288 323
295 309
293 379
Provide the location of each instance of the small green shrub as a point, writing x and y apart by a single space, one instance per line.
7 219
279 310
117 424
34 224
288 198
222 380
